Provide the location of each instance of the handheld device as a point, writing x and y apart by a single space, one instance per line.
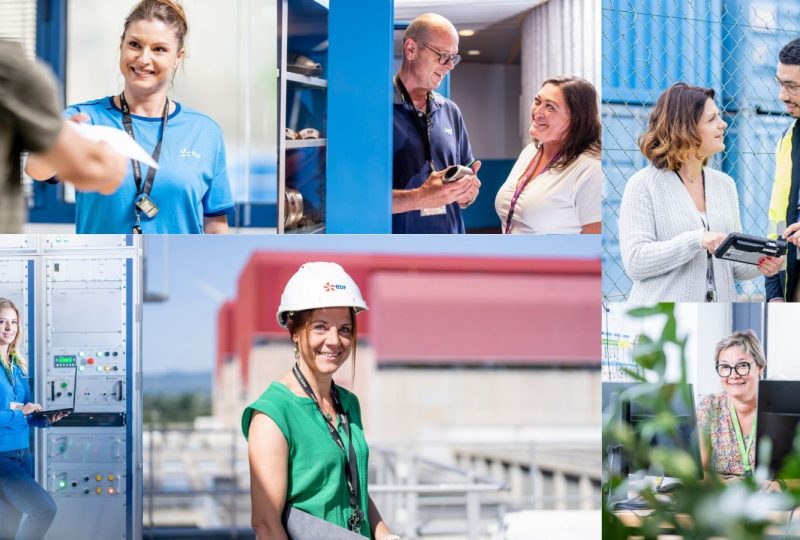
749 249
456 172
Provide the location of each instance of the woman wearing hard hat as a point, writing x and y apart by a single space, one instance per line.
308 454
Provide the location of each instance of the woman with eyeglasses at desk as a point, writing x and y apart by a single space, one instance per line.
727 419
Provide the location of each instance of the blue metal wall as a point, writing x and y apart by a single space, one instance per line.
359 184
650 44
755 32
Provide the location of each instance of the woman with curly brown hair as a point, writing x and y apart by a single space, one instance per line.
676 212
555 185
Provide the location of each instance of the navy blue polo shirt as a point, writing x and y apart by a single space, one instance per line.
449 146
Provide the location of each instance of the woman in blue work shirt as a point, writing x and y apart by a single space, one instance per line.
190 191
26 509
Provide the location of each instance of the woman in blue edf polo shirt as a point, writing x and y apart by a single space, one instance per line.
190 192
26 509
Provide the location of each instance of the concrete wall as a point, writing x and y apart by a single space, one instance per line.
412 404
560 37
489 98
784 354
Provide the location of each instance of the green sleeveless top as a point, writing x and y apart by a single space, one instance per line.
316 482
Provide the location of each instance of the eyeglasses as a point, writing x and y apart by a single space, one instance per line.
791 88
444 57
741 369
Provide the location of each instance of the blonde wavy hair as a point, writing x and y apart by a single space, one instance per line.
671 137
13 353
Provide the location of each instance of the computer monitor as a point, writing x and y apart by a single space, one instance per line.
634 408
777 417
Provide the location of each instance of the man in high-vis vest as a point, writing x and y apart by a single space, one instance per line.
783 206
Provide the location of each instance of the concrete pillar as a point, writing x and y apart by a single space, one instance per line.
559 37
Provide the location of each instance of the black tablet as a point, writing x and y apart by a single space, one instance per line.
749 249
41 414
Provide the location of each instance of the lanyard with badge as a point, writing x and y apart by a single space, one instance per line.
524 180
143 202
424 123
744 451
351 470
711 288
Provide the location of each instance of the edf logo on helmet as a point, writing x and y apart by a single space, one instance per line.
303 290
333 287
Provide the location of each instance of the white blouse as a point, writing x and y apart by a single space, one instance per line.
555 202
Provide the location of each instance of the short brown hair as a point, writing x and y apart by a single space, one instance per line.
299 322
748 341
167 11
671 134
584 131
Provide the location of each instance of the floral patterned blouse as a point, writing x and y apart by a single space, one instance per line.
714 420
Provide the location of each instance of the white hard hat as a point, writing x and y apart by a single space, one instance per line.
319 285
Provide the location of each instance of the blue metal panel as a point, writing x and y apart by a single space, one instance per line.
359 185
621 158
755 33
51 36
131 419
482 215
750 141
51 40
650 44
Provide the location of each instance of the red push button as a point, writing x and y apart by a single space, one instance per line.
90 360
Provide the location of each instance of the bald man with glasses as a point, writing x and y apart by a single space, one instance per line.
429 134
783 206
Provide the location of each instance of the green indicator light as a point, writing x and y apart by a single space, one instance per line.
63 385
82 368
62 484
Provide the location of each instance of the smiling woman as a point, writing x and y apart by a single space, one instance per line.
555 185
190 191
675 213
308 453
728 419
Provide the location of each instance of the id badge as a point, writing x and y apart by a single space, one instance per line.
15 406
147 205
433 211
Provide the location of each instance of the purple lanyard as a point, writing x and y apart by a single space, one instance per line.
524 180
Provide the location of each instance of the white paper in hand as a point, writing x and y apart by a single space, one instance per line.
119 141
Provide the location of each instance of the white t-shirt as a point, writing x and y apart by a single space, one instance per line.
555 202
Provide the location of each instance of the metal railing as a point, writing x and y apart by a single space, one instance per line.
199 480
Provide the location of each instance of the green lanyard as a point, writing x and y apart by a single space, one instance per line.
745 452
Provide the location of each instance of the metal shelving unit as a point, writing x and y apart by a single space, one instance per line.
302 102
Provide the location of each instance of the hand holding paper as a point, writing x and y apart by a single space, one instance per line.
119 141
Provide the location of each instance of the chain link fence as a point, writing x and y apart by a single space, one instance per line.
731 46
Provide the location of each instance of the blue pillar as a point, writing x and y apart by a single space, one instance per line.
359 162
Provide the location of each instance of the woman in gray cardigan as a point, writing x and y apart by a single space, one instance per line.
676 212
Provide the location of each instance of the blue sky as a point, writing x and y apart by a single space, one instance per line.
196 274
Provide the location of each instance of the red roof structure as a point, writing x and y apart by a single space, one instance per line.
438 309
